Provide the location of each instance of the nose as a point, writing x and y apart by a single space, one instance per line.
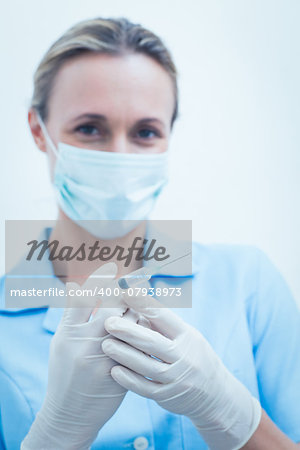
119 144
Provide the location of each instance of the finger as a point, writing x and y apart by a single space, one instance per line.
102 276
102 314
142 286
96 324
134 382
161 318
136 360
144 322
79 307
101 279
112 303
149 341
131 315
75 311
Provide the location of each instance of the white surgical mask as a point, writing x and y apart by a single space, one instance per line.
94 185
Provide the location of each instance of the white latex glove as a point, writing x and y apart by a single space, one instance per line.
81 394
186 375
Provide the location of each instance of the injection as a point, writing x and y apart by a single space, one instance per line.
136 278
144 274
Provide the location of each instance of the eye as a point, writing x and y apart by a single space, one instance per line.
88 130
147 133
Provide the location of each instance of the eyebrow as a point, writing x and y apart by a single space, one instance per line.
150 119
92 116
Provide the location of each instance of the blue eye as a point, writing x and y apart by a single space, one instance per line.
144 133
88 130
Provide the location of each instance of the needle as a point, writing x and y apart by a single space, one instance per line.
176 259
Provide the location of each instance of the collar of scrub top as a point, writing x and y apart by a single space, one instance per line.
54 314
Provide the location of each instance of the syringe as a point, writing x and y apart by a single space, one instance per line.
143 274
118 285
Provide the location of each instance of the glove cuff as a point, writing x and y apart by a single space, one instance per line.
234 417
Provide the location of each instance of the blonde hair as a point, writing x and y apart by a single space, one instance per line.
101 35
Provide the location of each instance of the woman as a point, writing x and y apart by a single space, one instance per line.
224 373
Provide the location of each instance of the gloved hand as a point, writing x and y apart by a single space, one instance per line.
81 394
186 375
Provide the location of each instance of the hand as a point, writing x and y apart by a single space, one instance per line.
186 375
81 394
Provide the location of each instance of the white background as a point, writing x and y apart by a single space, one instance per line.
236 157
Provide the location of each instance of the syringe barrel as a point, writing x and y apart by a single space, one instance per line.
134 278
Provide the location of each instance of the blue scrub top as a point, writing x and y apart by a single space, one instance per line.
242 306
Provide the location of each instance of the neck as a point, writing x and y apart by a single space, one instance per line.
70 234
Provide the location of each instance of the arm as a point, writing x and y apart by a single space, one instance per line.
81 395
269 436
274 324
173 364
195 383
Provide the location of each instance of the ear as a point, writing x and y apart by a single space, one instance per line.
36 130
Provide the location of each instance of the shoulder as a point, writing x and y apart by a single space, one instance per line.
244 275
225 283
246 278
245 261
227 253
232 262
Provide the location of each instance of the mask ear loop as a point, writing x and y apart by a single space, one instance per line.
48 138
46 134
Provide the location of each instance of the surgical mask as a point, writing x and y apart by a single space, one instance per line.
119 189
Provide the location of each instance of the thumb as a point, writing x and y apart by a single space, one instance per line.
77 309
81 301
161 318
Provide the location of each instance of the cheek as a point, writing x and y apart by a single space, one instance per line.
164 144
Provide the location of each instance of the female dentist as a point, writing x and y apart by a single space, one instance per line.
224 375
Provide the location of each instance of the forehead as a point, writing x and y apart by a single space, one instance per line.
108 84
